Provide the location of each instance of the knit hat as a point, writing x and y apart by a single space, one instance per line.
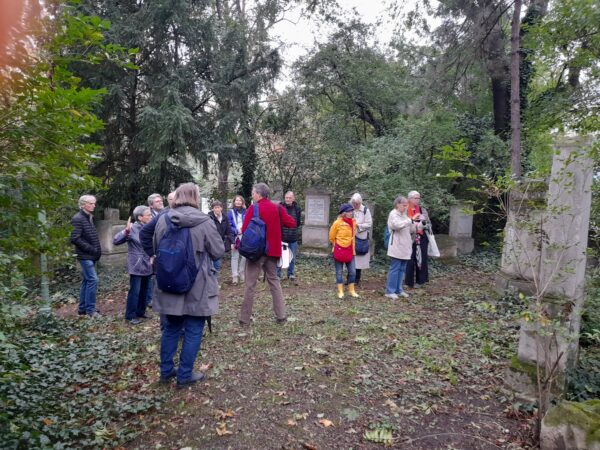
345 207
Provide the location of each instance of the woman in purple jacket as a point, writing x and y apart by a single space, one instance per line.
236 217
139 265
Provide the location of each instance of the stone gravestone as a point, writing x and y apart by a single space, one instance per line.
552 255
315 232
461 228
112 256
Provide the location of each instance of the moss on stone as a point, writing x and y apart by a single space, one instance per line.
584 415
524 367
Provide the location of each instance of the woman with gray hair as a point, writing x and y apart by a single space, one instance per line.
417 266
399 247
139 266
364 224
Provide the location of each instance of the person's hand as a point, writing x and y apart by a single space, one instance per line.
152 260
128 226
232 246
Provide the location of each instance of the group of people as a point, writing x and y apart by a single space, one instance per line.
213 235
408 226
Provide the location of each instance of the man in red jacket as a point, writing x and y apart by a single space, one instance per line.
274 216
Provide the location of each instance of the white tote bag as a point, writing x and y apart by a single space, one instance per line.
432 249
286 256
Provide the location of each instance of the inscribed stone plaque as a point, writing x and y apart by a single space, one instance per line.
316 210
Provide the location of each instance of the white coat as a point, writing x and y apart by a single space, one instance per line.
401 231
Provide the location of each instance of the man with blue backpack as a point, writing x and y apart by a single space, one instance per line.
261 246
185 242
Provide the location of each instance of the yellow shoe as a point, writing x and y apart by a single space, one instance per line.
351 291
340 291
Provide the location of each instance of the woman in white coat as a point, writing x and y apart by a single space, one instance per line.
399 248
364 224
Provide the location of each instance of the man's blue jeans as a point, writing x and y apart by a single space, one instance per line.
137 296
339 271
192 328
150 292
293 246
89 286
217 264
395 276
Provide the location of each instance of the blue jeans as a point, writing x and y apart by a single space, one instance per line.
339 270
192 328
217 264
137 296
150 292
89 286
293 246
395 276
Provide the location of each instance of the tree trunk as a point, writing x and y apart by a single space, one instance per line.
500 96
515 101
223 178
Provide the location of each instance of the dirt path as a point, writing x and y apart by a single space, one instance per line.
421 373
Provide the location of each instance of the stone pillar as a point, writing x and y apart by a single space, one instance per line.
315 232
112 256
204 205
554 261
461 228
563 253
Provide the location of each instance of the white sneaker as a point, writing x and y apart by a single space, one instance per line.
403 294
392 296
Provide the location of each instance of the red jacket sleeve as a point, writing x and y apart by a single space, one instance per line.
286 219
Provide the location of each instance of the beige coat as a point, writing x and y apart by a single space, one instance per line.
203 298
364 225
401 232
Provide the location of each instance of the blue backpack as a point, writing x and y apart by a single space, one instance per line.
176 268
254 239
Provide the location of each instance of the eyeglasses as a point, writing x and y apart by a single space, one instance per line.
91 203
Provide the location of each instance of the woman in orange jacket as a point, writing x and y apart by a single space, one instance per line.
342 235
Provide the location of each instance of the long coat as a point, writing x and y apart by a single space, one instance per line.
203 299
138 263
401 232
364 225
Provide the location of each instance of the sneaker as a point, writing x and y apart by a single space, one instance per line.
418 286
94 315
244 324
135 321
167 378
282 321
235 280
81 313
403 294
293 280
196 376
392 296
146 315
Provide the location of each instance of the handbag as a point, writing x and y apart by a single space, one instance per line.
237 242
362 246
342 254
432 248
286 256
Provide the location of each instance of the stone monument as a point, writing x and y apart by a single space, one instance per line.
461 227
315 232
552 256
112 256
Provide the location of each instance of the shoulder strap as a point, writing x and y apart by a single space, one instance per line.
256 211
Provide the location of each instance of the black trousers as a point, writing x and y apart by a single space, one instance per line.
412 271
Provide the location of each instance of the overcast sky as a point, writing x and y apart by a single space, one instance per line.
299 34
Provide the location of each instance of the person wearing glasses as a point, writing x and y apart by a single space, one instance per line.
417 273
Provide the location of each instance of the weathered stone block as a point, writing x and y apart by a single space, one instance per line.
315 236
447 246
571 426
464 245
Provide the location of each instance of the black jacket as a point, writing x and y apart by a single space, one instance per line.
291 234
224 229
85 237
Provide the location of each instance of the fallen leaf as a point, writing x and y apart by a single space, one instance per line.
47 422
308 446
222 429
205 367
326 423
292 422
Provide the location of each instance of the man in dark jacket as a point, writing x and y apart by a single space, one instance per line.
223 228
290 234
87 247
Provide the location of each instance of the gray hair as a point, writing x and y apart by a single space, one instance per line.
411 194
262 189
400 199
139 211
151 198
356 198
85 199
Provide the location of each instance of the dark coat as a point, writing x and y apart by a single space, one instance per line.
203 299
85 237
224 229
138 262
290 234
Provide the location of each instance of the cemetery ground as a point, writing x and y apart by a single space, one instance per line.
419 373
